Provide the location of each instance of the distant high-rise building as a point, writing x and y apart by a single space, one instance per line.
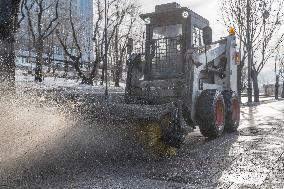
86 8
86 17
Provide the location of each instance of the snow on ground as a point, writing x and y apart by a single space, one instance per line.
24 80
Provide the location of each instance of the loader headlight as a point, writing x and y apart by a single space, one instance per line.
185 14
147 20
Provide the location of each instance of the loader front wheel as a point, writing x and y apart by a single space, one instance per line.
210 113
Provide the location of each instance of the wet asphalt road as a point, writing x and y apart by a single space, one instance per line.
48 150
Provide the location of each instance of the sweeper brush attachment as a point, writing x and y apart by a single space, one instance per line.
155 127
150 136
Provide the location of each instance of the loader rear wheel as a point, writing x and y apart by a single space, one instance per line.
232 104
210 113
151 136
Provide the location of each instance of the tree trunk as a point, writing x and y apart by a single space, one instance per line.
7 66
53 67
255 85
277 87
117 73
8 20
95 66
65 65
30 49
282 95
103 66
117 61
89 62
103 75
49 62
39 54
49 56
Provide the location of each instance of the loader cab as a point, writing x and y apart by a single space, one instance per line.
170 31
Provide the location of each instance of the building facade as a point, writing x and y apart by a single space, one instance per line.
86 18
82 14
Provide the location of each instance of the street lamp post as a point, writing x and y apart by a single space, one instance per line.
106 51
249 89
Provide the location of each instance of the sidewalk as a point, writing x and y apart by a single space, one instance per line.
262 99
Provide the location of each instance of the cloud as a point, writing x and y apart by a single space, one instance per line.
150 4
200 3
207 9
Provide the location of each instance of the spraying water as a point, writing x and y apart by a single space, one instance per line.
38 132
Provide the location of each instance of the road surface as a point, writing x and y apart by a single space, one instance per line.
44 148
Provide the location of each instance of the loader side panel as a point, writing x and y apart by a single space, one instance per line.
231 54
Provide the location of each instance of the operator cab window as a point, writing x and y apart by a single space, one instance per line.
167 31
197 37
167 60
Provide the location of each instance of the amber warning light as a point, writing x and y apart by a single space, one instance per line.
232 31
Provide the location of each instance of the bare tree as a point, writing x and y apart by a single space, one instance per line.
269 16
77 55
265 21
42 16
280 65
118 11
50 43
8 26
121 40
64 31
69 40
117 14
97 39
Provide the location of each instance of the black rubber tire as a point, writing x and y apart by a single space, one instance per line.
231 124
206 113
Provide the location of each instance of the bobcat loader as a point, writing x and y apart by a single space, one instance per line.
181 81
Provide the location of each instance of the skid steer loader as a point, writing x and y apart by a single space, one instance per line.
181 81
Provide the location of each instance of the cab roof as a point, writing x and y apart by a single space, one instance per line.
173 8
